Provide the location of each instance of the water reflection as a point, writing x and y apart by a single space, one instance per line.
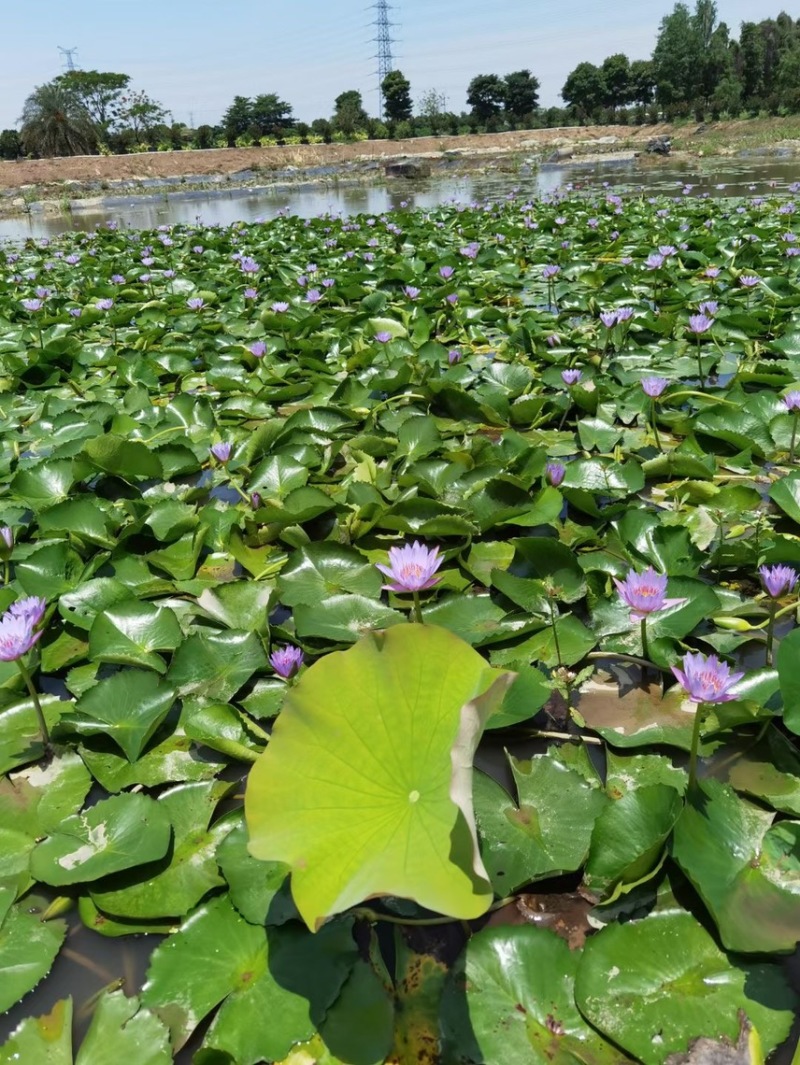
715 177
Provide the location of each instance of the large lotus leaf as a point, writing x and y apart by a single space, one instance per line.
382 736
274 991
45 1040
419 983
548 832
192 868
746 869
113 835
128 707
655 985
510 1001
28 946
131 632
121 1031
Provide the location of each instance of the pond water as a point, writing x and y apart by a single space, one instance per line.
716 176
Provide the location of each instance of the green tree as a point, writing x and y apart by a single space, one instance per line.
727 96
616 74
752 54
584 90
396 92
55 122
486 94
100 92
521 94
641 81
432 110
676 57
349 115
141 115
10 144
237 119
270 115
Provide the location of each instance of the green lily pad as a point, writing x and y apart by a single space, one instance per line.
655 985
344 729
128 707
131 632
28 947
45 1040
122 1031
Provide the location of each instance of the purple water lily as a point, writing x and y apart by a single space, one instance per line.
17 636
749 280
30 609
570 377
555 472
624 314
706 679
250 293
608 318
411 568
454 356
104 304
700 323
778 579
708 307
258 349
279 307
383 337
221 451
654 386
446 272
411 292
7 538
645 593
712 272
196 303
32 305
452 299
313 295
550 271
792 400
286 661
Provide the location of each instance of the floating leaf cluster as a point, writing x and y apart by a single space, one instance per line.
322 513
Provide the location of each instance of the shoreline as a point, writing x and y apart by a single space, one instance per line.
78 184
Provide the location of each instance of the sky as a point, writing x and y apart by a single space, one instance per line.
194 56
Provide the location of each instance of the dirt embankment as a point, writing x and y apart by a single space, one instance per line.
88 168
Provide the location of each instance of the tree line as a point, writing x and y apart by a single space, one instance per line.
697 68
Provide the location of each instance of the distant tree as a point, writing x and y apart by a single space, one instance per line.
237 119
677 57
270 115
432 110
486 94
204 136
396 90
751 59
584 90
641 81
10 144
349 115
727 96
616 74
55 122
520 94
140 114
322 127
100 93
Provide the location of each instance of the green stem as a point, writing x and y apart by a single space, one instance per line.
555 634
698 718
655 424
794 435
6 572
36 704
645 647
699 362
417 608
773 609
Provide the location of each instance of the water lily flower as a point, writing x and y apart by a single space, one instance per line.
654 386
18 635
104 304
196 303
700 323
749 280
792 400
550 271
411 292
30 609
608 318
712 272
255 500
645 592
624 314
571 377
654 261
313 295
328 282
452 298
708 307
706 679
74 312
221 451
454 357
554 472
446 272
117 279
279 307
411 568
258 349
7 538
286 661
250 293
383 337
553 340
32 305
778 579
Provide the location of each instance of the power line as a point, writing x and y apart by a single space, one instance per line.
68 54
384 40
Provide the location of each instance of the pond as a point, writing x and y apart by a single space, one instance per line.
717 177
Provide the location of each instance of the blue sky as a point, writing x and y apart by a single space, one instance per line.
195 55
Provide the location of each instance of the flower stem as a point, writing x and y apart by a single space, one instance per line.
654 423
698 717
417 609
794 435
645 647
36 704
699 363
773 609
555 634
